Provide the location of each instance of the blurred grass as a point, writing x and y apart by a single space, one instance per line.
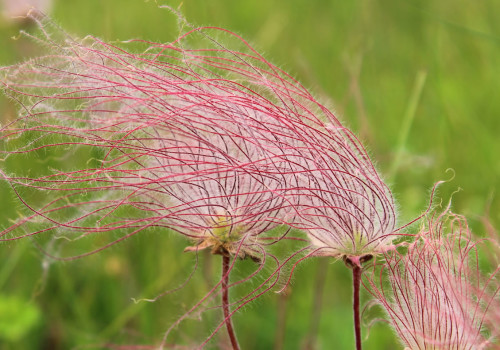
364 58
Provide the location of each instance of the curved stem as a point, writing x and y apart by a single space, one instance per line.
225 302
356 282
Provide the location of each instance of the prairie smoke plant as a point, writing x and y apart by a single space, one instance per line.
436 297
341 202
152 128
338 198
162 147
206 139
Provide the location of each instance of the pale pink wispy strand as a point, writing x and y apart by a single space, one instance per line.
268 130
434 294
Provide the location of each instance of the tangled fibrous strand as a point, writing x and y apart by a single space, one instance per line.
133 113
168 142
436 296
201 136
163 147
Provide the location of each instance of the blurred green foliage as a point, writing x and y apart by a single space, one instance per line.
17 318
418 81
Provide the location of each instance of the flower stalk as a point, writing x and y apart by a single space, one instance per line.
355 264
356 282
226 259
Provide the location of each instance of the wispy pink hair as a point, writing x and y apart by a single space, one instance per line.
434 293
192 117
201 136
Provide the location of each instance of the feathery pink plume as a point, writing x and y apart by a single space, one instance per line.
436 296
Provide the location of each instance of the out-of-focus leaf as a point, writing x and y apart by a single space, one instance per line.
17 317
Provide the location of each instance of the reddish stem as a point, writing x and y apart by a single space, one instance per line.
225 302
356 282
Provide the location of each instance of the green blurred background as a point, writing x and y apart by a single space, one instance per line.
417 80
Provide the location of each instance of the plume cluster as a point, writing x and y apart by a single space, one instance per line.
190 136
204 137
435 294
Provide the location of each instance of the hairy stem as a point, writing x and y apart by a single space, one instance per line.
356 282
225 302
